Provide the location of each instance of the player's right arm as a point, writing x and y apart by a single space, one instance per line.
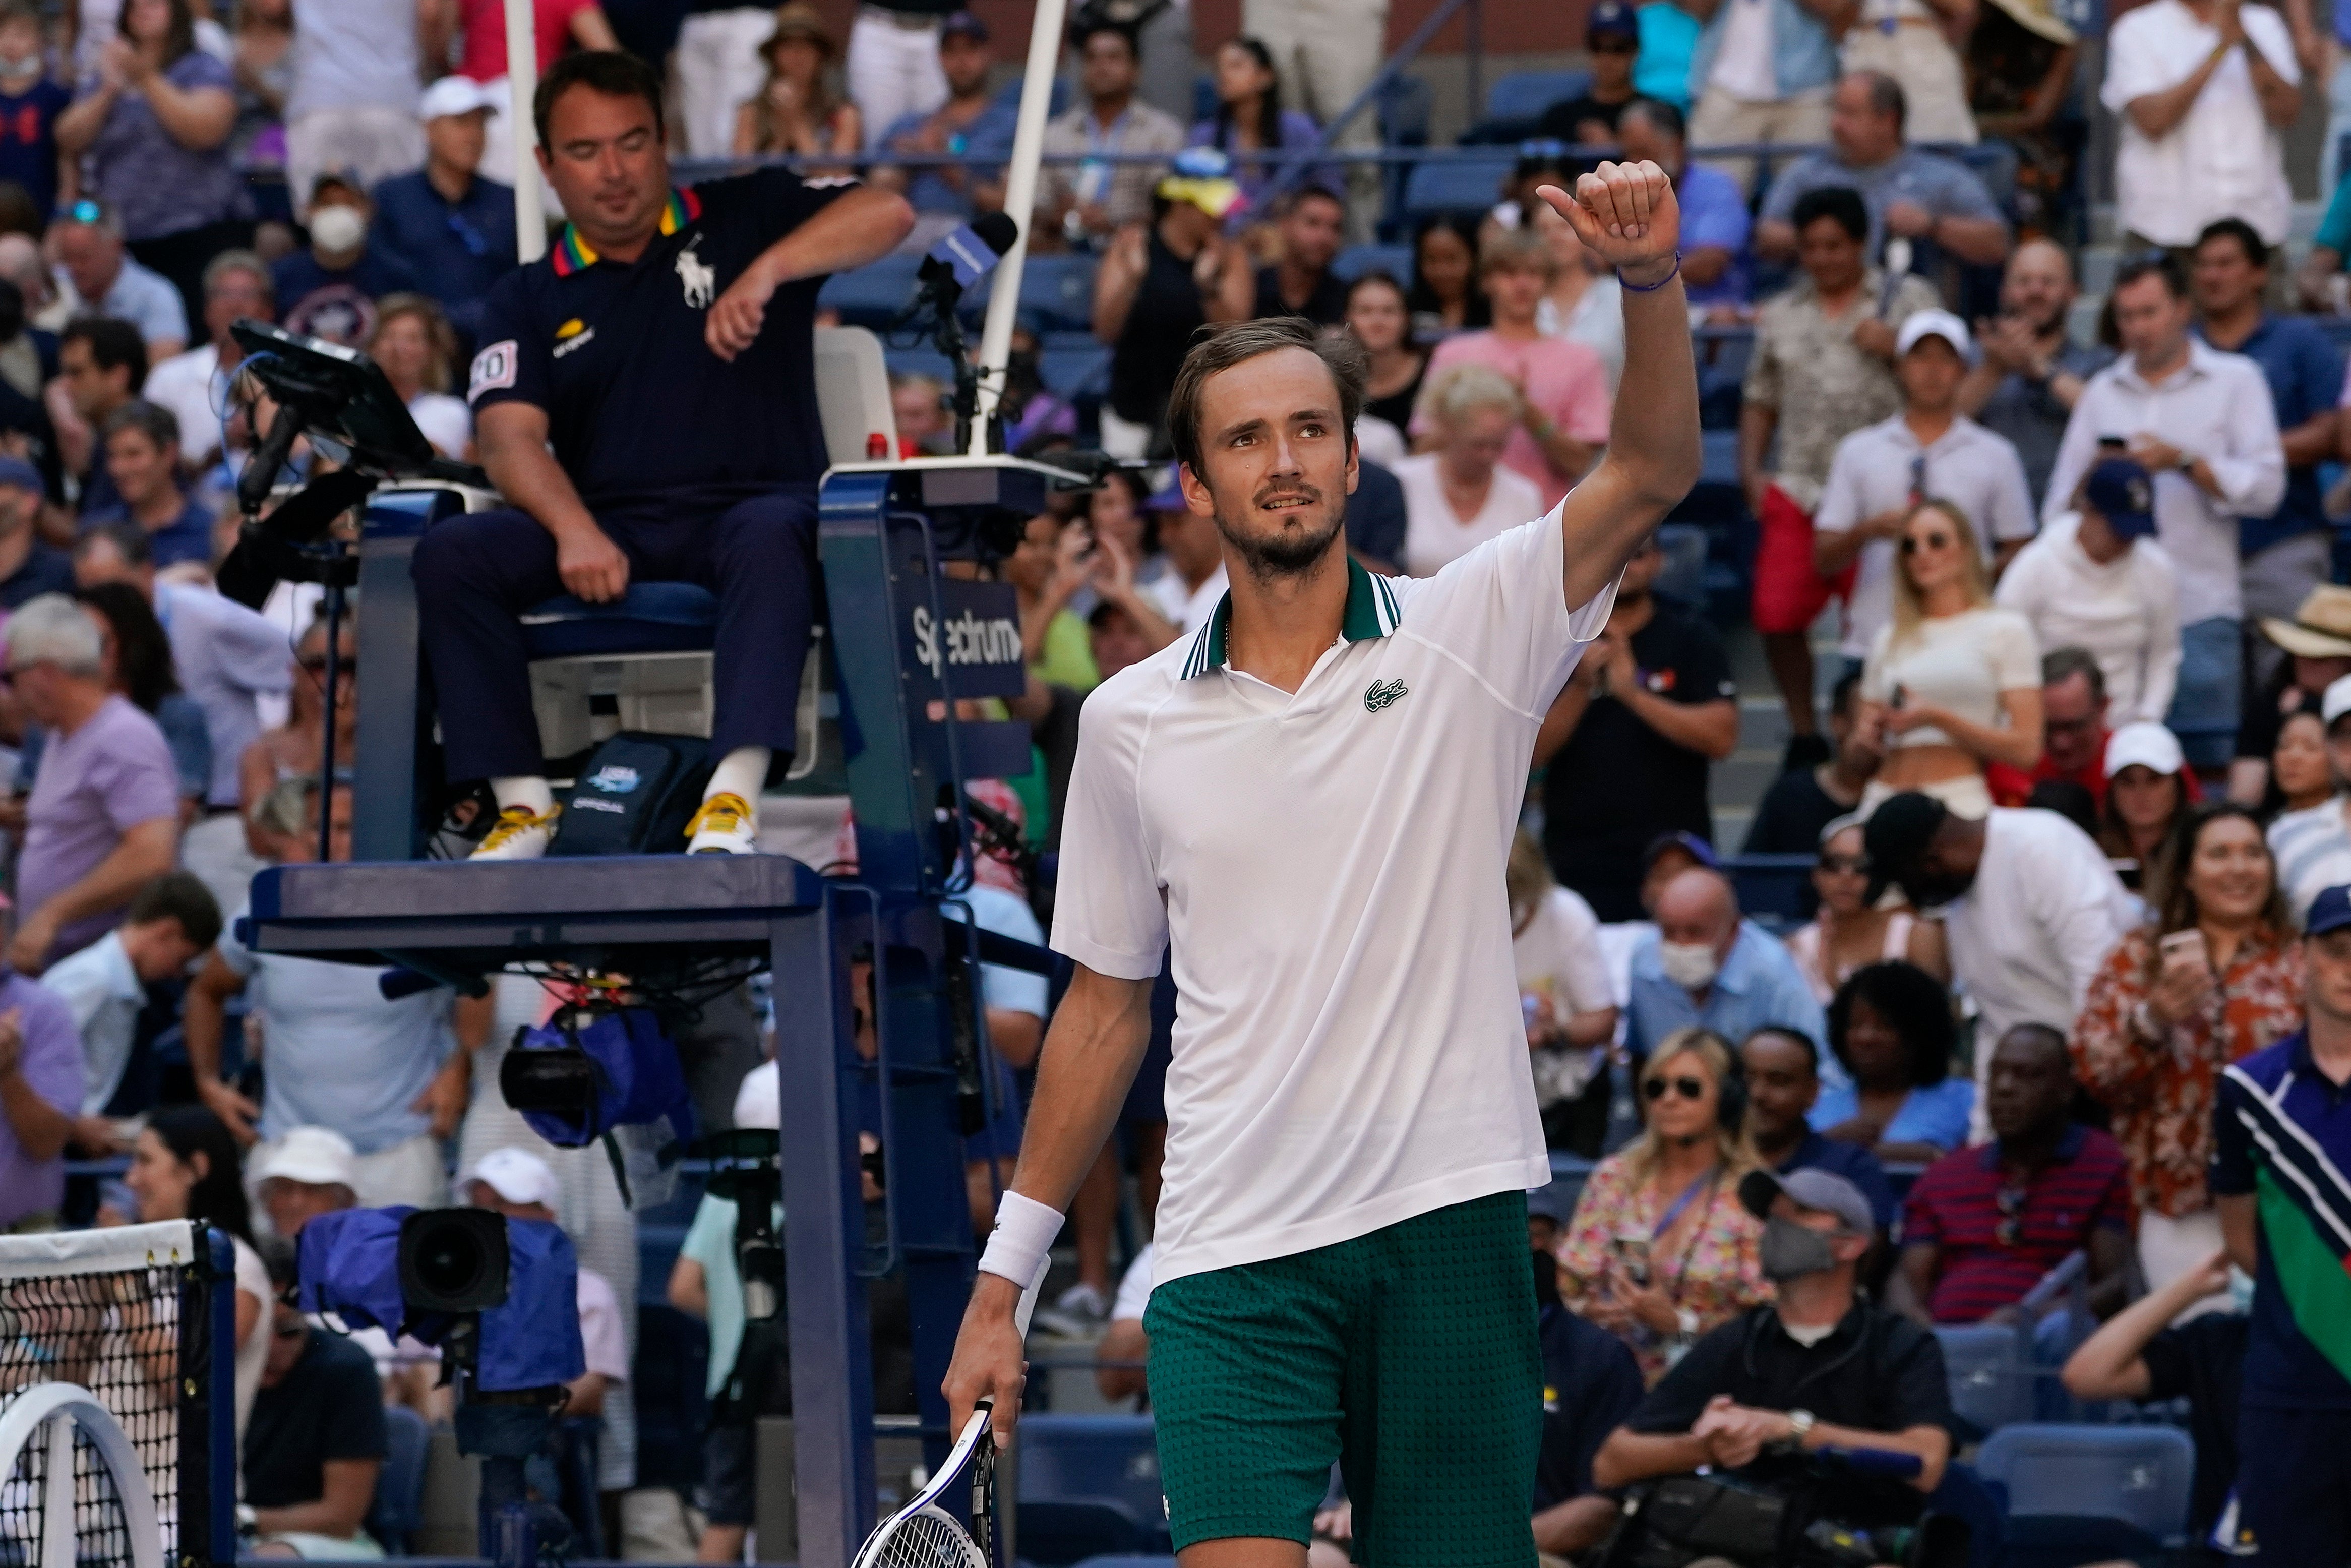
1092 1052
513 441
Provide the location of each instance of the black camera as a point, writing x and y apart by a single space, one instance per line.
455 1260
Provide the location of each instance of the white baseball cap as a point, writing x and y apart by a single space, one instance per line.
1934 324
2144 744
315 1156
516 1175
455 95
759 1103
2336 701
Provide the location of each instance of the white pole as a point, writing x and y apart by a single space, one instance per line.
522 80
1020 203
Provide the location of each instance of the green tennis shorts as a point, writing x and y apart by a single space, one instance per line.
1407 1355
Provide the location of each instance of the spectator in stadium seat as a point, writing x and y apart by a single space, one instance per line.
1563 420
2030 372
717 64
1591 1384
1155 288
970 123
1911 194
1982 1226
1783 1082
308 1174
1881 471
1046 570
417 349
1445 296
184 1166
2095 579
42 1080
2202 93
30 102
2313 846
137 661
1659 1250
1197 580
1612 40
2201 421
101 366
1849 932
297 748
665 464
354 95
1381 319
2301 774
1630 741
2183 1339
1891 1029
2149 791
1569 1001
105 281
794 113
1917 47
1715 222
521 1186
141 447
29 566
1757 1393
2029 907
318 1440
170 925
1249 118
103 818
2215 977
2073 712
449 224
1705 967
1793 816
1458 494
329 289
194 385
1585 303
1098 199
1310 225
2317 647
1821 370
1763 72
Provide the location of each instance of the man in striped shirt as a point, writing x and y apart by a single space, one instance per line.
1984 1225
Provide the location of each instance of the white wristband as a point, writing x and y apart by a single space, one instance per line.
1020 1245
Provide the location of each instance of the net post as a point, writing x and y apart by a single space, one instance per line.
207 1403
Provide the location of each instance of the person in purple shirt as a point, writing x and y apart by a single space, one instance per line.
1249 118
1715 222
40 1089
103 818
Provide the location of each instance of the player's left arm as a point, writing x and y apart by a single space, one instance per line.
854 228
1626 214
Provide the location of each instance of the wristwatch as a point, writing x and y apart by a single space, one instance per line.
1686 1320
1799 1426
2186 464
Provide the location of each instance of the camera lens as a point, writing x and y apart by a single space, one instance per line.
453 1260
451 1264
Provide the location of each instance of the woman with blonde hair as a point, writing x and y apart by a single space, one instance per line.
1568 1000
1661 1249
1952 683
417 349
1458 494
795 111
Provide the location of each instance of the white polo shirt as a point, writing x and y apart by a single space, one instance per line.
2224 159
1349 1050
1875 470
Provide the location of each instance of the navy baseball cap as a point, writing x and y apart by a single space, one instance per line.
1551 1201
964 24
1613 18
1699 850
2123 493
2330 911
23 476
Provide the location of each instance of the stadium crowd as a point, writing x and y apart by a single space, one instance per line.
2072 962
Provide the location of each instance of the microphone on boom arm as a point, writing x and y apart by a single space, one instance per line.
959 260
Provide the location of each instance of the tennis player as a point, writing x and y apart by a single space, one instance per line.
1312 799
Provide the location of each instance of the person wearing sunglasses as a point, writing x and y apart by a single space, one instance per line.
1952 683
1612 35
1850 932
1659 1250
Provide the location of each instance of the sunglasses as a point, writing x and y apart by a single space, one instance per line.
1688 1088
1616 47
1913 544
318 667
1845 865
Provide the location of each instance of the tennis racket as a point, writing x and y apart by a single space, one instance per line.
922 1534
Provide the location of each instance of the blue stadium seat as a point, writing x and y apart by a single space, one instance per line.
1769 887
1076 372
1089 1487
920 360
1524 95
1395 260
1995 162
1204 100
399 1505
2082 1494
1057 292
872 294
1454 186
650 618
1991 1385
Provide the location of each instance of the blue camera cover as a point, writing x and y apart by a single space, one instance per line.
638 1080
349 1264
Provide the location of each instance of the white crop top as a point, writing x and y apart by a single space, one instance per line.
1960 664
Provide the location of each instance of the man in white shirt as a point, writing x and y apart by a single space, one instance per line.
194 385
2096 578
1311 800
171 921
1881 472
2203 90
2201 422
2028 903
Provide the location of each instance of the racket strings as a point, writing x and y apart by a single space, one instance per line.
928 1538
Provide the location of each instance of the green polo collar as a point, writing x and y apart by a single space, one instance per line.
1371 613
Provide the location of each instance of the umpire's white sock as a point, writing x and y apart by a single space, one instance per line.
524 789
742 771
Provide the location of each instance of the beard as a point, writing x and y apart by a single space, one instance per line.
1292 550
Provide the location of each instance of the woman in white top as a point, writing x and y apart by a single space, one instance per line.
1459 495
1850 932
1951 683
184 1166
417 348
1567 999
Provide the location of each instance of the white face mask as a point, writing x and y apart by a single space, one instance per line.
336 229
1692 966
18 71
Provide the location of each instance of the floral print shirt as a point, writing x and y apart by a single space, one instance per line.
1707 1261
2162 1089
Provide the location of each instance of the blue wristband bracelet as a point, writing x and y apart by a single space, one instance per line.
1651 287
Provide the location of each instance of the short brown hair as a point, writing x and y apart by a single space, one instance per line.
612 72
1218 348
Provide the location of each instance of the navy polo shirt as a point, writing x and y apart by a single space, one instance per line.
640 413
1851 1161
2306 377
2283 1132
459 248
1591 1385
44 570
188 537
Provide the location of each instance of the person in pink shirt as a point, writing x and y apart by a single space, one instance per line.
1564 384
555 24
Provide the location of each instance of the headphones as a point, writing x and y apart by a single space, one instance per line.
1731 1076
1730 1097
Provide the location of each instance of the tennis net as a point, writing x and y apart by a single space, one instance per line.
140 1317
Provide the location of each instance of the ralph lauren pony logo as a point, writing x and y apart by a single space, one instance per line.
1382 694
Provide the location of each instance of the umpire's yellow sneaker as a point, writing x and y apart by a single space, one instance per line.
521 834
726 825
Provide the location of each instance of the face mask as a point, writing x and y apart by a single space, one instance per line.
18 71
1789 1250
1692 966
337 229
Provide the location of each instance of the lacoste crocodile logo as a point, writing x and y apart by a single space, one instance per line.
1384 694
